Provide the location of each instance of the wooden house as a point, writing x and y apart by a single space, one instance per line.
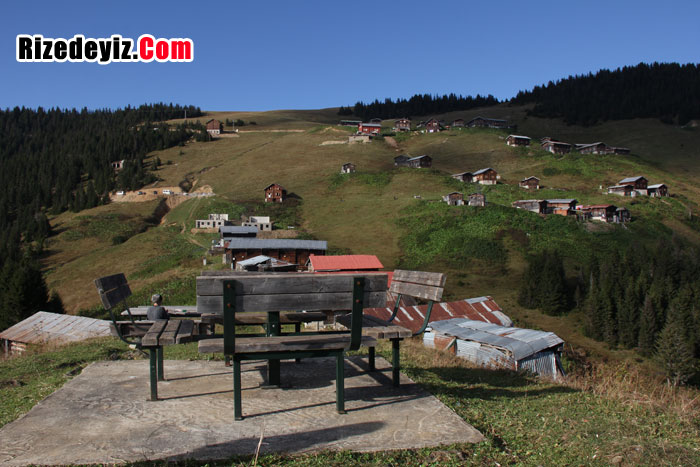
562 207
289 250
622 190
533 205
483 122
477 199
517 140
454 199
420 162
657 190
350 122
623 215
458 123
376 120
369 128
600 212
275 193
402 124
347 168
433 125
621 151
118 165
486 176
594 148
556 147
638 183
214 127
530 183
400 161
466 177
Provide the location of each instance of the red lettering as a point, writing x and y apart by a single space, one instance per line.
146 47
181 50
162 50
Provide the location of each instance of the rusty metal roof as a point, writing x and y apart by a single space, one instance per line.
344 262
481 308
521 343
43 327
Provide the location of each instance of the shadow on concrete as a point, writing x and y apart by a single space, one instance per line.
205 375
292 442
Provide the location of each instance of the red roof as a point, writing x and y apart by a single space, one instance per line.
344 263
412 317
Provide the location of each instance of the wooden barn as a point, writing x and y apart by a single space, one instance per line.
347 168
657 190
621 151
483 122
433 125
51 328
562 207
556 147
600 212
477 199
275 193
369 128
533 205
375 120
400 161
622 190
486 176
289 250
214 127
458 123
638 184
594 148
517 140
530 183
420 162
454 199
402 124
465 177
350 122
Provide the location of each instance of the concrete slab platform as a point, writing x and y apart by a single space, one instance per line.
103 415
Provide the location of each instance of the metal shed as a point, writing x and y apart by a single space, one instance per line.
494 346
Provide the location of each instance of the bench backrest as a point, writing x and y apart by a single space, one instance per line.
256 292
112 290
419 284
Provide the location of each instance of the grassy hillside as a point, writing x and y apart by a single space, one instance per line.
382 210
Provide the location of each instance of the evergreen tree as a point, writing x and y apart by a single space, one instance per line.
647 327
674 352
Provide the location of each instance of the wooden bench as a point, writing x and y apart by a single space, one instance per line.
423 285
294 292
150 335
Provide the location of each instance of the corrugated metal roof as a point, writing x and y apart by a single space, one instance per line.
274 243
412 317
558 201
630 179
43 327
238 229
254 260
344 262
658 185
480 171
418 157
520 342
517 136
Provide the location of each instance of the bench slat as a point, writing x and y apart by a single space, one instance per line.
185 332
415 290
284 343
169 333
436 279
375 327
290 283
290 302
151 337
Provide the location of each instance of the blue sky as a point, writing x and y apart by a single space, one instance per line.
314 54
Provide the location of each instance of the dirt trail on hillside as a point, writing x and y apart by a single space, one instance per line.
391 142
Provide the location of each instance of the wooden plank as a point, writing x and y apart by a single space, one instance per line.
111 298
436 279
284 343
167 337
151 337
415 290
110 282
290 302
290 283
185 332
377 328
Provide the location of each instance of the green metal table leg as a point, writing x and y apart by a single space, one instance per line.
153 363
237 406
395 362
340 383
161 374
273 365
370 359
297 329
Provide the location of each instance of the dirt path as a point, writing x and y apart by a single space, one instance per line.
391 142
